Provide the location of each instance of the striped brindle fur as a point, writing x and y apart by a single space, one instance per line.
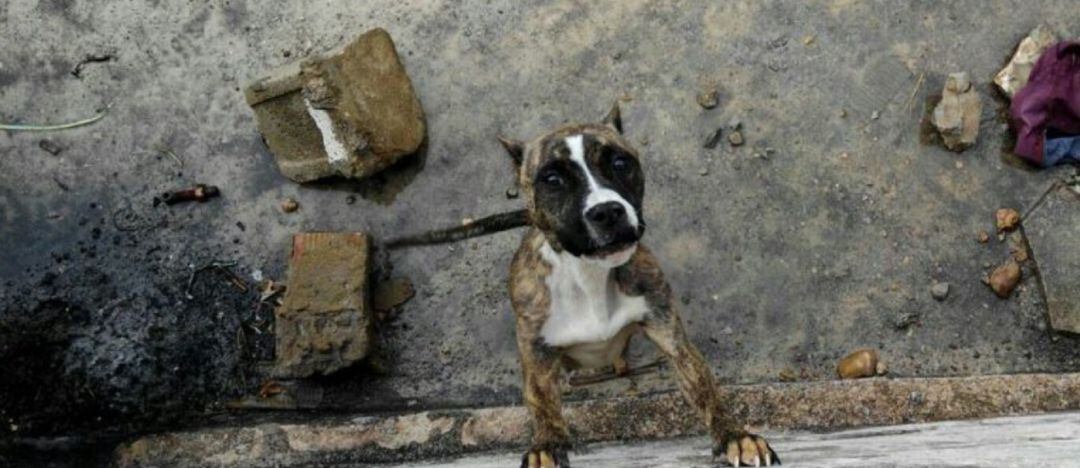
581 285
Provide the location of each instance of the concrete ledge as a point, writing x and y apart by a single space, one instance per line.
807 405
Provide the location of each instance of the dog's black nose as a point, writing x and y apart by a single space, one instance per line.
607 214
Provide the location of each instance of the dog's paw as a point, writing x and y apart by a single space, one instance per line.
744 449
545 458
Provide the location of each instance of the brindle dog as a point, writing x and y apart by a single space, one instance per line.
581 284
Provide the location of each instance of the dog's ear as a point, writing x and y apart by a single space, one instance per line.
613 118
515 148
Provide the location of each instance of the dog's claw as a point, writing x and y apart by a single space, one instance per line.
748 450
545 459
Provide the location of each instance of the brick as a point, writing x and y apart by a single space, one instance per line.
351 114
324 323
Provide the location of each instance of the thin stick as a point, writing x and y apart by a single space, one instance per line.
911 98
49 128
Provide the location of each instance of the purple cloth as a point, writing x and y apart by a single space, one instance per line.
1049 101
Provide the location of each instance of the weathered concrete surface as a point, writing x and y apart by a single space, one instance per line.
325 322
1015 442
827 246
813 405
351 114
1051 231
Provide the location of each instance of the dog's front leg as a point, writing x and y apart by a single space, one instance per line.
698 385
551 439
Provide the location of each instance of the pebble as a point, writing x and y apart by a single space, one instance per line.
940 291
708 98
289 205
50 147
512 193
351 199
735 138
875 115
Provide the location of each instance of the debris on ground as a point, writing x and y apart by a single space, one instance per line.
709 98
906 320
956 117
861 363
939 291
1046 112
91 58
1014 76
1051 231
983 237
735 138
1005 278
512 193
714 139
788 374
281 395
1006 219
53 127
200 193
391 294
289 205
352 114
325 322
50 147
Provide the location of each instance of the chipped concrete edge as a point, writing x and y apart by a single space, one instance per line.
804 405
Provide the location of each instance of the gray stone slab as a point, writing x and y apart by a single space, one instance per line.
1053 232
1046 440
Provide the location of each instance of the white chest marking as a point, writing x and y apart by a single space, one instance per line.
597 194
586 305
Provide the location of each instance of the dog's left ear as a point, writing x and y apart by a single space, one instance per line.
613 118
515 148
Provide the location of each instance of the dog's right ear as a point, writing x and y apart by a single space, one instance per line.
515 148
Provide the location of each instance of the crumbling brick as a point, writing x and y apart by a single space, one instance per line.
351 114
325 321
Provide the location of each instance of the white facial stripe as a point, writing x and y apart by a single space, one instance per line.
597 194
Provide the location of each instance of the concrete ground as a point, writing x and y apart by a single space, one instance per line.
823 233
1049 440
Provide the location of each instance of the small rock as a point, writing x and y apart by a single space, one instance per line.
708 98
861 363
351 199
735 138
956 117
843 113
50 147
1006 219
512 192
1020 254
983 237
875 115
1005 278
809 39
939 291
788 375
1015 75
704 171
289 205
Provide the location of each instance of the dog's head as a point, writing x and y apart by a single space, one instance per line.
583 186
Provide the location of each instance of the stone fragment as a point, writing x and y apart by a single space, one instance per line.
289 205
1015 74
325 322
861 363
1006 219
708 98
1005 278
736 138
939 291
956 117
352 113
1052 230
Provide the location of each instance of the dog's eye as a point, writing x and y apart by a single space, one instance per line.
620 163
552 178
